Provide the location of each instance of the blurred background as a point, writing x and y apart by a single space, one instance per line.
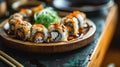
112 57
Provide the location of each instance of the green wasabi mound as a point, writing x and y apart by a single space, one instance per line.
46 17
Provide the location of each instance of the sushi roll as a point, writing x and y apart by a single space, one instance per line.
16 15
81 19
26 12
57 33
37 9
22 31
71 24
75 22
13 23
14 20
39 33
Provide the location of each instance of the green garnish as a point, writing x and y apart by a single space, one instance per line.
46 17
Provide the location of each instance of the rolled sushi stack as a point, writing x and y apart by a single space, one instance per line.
57 32
22 31
39 33
18 27
14 21
74 23
67 28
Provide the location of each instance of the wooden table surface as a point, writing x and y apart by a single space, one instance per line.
105 39
112 57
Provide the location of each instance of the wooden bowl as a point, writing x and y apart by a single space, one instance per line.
48 47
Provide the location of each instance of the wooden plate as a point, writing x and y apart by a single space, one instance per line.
48 47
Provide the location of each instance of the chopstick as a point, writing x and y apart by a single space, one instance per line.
6 61
12 61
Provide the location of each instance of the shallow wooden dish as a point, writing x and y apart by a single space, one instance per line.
48 47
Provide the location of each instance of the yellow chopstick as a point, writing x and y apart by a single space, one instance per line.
11 59
6 61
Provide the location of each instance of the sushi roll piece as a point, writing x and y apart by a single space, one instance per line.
22 31
75 22
81 19
16 15
37 9
14 20
26 12
39 33
57 33
13 24
71 24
